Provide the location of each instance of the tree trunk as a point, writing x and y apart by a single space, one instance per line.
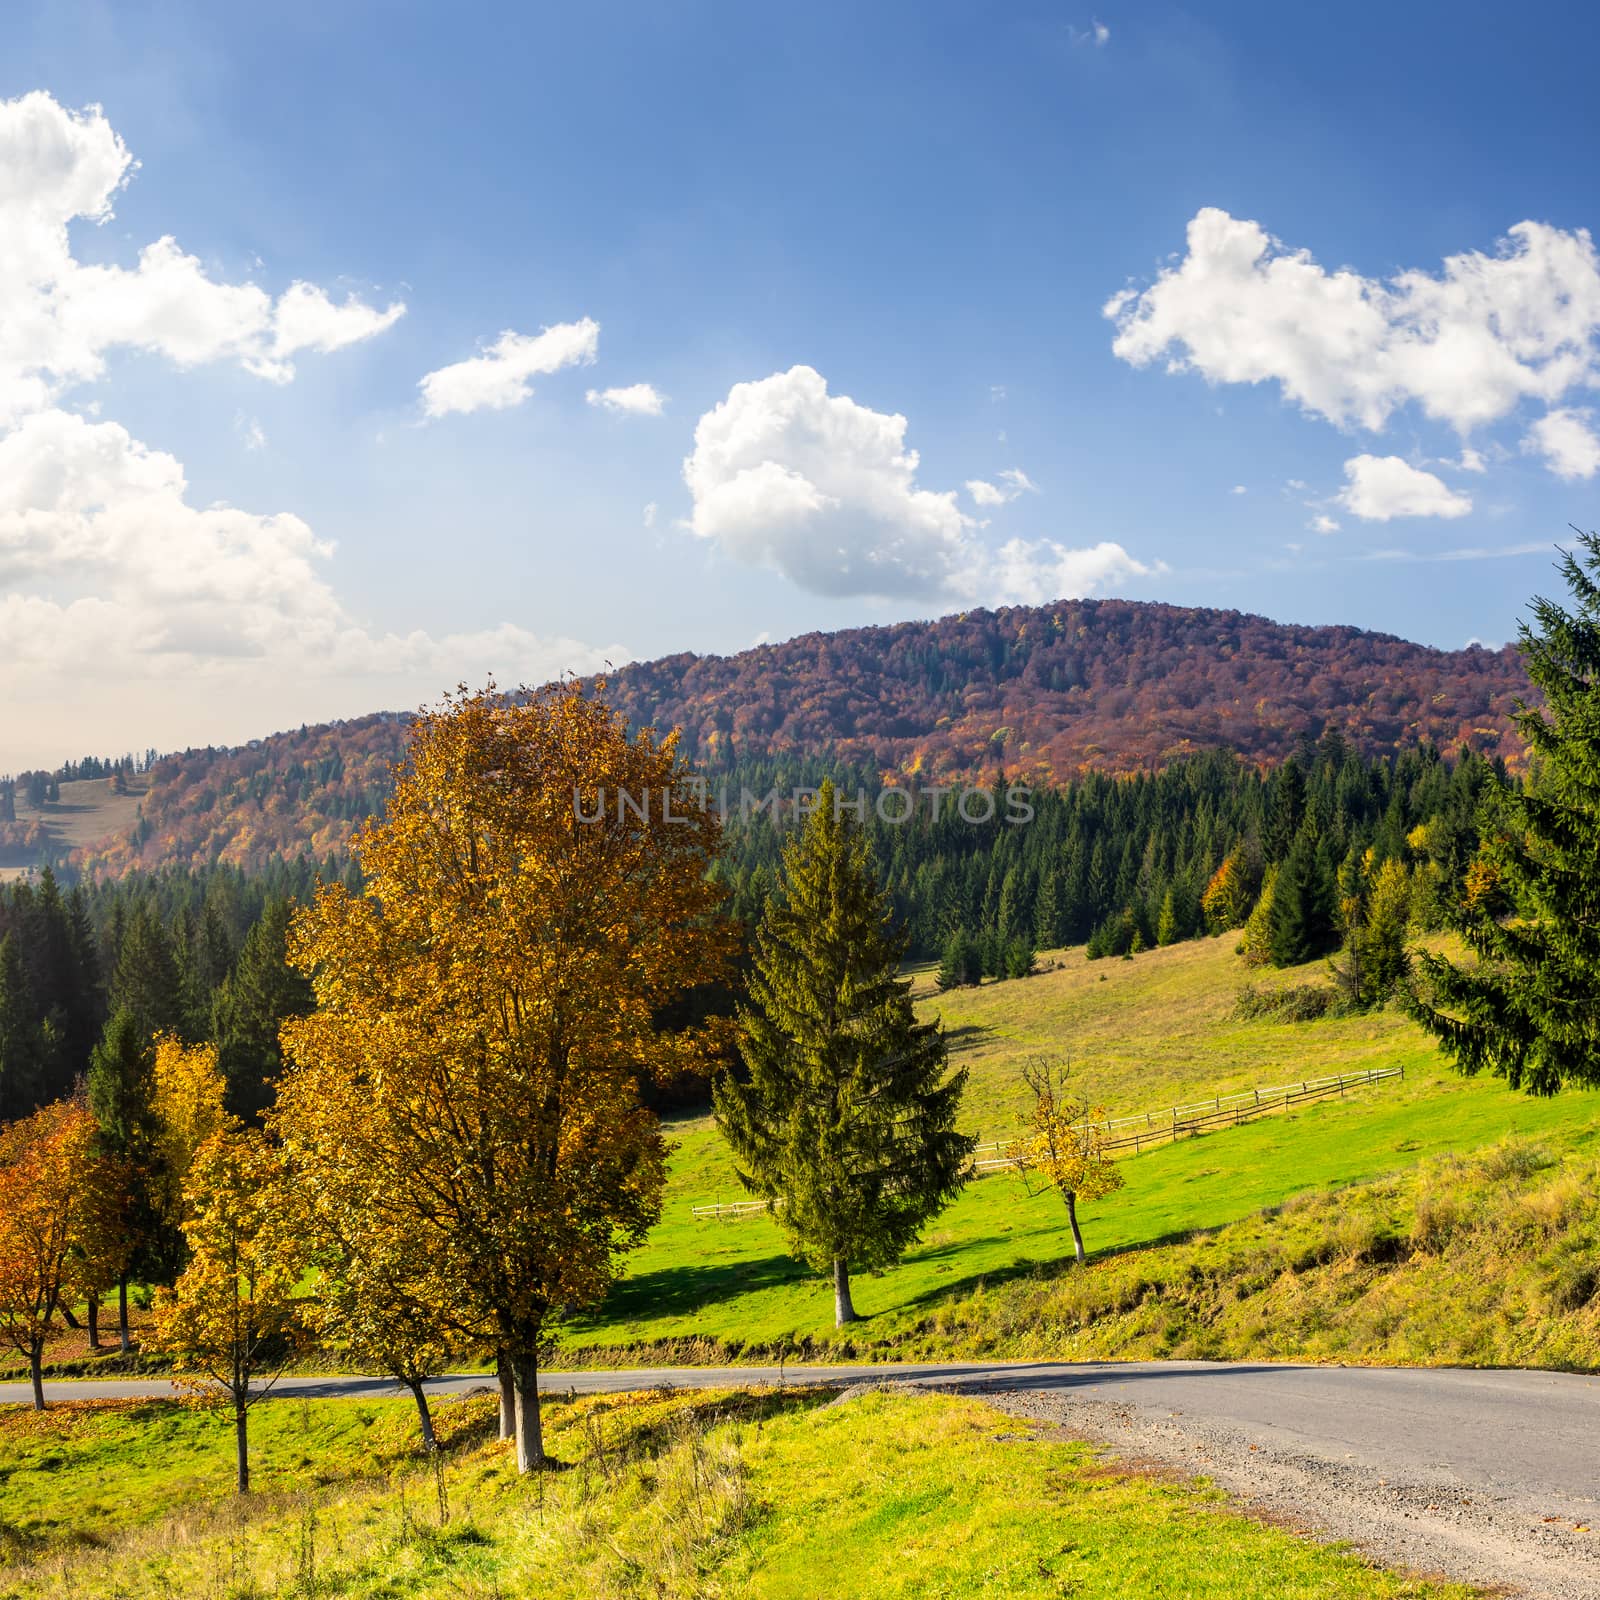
94 1324
124 1340
508 1395
241 1439
36 1372
1072 1217
843 1307
430 1441
530 1433
68 1318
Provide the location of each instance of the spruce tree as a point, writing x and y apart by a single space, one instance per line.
1302 917
262 990
1287 813
147 984
21 1069
121 1098
1529 1009
960 966
846 1121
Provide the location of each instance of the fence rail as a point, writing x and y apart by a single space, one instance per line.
1136 1134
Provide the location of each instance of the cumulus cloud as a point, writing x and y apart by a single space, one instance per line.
824 490
1013 483
127 573
1568 442
1466 344
502 376
59 318
1381 488
637 399
128 613
1323 523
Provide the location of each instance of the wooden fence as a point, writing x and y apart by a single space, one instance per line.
1136 1134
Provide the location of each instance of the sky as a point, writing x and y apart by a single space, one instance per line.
351 351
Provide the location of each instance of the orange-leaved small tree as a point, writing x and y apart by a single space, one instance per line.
46 1163
1064 1147
232 1319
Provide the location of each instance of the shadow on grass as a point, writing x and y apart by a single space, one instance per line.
966 1036
679 1291
1047 1271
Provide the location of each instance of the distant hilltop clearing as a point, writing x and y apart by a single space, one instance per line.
1036 693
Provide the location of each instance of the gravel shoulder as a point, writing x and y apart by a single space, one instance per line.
1422 1521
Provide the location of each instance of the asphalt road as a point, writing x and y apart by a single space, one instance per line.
1526 1432
1520 1451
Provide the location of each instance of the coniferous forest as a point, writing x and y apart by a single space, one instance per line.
1121 863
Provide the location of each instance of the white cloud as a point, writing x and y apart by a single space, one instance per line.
127 573
500 377
1567 441
637 399
824 490
133 614
1096 34
650 513
1014 482
1471 460
1467 345
1031 572
129 614
59 318
1322 523
1238 488
1384 487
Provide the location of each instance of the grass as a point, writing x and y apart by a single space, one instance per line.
1143 1034
88 812
770 1495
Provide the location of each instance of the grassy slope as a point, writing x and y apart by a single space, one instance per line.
774 1497
1142 1033
87 813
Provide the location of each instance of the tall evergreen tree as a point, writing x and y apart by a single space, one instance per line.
1529 1009
1287 813
20 1064
1302 924
846 1121
251 1006
147 984
122 1100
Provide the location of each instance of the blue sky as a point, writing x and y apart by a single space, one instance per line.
794 226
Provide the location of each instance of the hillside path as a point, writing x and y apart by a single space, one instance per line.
1488 1476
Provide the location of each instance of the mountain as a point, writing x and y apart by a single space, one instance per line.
1039 693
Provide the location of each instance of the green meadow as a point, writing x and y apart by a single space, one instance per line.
1141 1034
753 1494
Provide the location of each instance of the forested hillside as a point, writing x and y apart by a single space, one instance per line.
1043 693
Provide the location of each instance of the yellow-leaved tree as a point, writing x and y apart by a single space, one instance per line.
231 1320
536 895
1064 1147
377 1288
186 1101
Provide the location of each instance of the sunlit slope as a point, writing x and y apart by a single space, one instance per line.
1155 1030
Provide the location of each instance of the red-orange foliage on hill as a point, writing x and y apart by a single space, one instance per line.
1040 692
